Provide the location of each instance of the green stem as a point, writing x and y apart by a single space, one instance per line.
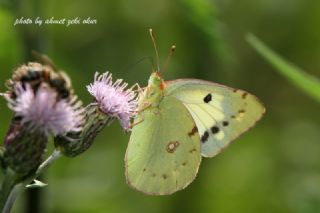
56 154
16 190
10 189
7 186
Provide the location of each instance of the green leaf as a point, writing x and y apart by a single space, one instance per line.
306 82
36 184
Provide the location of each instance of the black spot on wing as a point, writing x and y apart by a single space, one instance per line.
192 150
208 98
193 131
225 123
172 146
244 95
205 137
242 111
215 129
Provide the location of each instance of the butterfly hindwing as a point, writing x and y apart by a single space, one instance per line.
163 154
221 113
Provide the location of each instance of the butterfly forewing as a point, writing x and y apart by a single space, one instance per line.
221 113
163 155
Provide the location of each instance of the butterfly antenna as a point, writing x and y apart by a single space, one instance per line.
155 48
132 65
172 49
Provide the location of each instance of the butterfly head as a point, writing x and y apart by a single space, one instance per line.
155 79
154 91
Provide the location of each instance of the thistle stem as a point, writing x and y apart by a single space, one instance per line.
10 190
56 154
6 189
16 190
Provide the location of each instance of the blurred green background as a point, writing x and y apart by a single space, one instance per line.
275 167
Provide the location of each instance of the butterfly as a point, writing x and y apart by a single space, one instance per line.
179 122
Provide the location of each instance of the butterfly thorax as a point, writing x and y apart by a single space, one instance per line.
153 93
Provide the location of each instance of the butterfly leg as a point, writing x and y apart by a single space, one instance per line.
137 122
136 88
142 115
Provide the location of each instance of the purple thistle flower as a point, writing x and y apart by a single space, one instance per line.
113 98
43 111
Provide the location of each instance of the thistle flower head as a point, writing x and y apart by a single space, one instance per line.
113 98
43 111
43 103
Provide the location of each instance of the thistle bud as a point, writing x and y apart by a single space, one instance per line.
23 149
75 143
